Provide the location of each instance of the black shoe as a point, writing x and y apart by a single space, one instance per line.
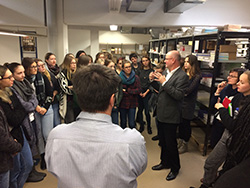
171 176
203 186
155 138
34 178
39 173
43 163
149 130
141 128
160 167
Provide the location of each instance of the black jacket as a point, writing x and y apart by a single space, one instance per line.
8 146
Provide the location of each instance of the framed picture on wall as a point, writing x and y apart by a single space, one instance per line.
28 46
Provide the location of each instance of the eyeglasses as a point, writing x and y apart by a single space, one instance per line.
33 67
42 65
9 77
231 76
127 67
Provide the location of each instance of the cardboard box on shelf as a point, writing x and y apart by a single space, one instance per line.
223 56
211 45
228 48
230 27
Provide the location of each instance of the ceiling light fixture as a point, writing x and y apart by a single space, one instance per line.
113 27
12 34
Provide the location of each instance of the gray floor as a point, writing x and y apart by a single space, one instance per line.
190 173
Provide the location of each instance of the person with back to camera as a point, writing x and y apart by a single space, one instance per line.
93 151
169 105
191 67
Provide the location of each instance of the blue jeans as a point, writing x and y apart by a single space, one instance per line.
57 119
114 116
130 113
5 179
46 121
23 164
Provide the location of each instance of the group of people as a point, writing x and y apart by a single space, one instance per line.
36 96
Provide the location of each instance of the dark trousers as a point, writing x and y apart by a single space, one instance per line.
143 105
185 130
169 150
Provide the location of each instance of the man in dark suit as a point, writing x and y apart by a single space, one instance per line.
173 85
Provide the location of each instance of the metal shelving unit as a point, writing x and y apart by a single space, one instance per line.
214 69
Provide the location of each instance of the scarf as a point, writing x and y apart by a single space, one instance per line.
5 95
127 80
24 89
55 70
40 87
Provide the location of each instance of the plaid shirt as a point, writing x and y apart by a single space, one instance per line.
129 99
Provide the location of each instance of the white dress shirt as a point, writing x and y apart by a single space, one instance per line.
169 74
94 153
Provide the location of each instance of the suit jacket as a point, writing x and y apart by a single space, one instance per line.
170 98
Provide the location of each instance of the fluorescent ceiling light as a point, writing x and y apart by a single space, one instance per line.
13 34
113 27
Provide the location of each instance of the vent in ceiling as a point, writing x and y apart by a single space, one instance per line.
179 6
115 5
138 5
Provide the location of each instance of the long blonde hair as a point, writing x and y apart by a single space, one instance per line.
66 65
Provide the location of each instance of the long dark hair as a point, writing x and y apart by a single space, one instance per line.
239 148
195 69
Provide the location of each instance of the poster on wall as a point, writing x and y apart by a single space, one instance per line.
28 46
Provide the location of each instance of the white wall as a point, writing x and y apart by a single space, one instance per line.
79 40
10 48
22 12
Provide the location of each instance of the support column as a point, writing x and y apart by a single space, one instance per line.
94 42
62 34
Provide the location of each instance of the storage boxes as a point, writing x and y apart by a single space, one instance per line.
231 27
228 48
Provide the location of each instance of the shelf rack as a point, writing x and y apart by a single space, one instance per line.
216 70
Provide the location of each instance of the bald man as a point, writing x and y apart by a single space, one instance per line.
173 84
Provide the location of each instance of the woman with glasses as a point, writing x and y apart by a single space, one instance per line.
12 139
131 90
44 94
25 94
227 109
66 104
224 89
